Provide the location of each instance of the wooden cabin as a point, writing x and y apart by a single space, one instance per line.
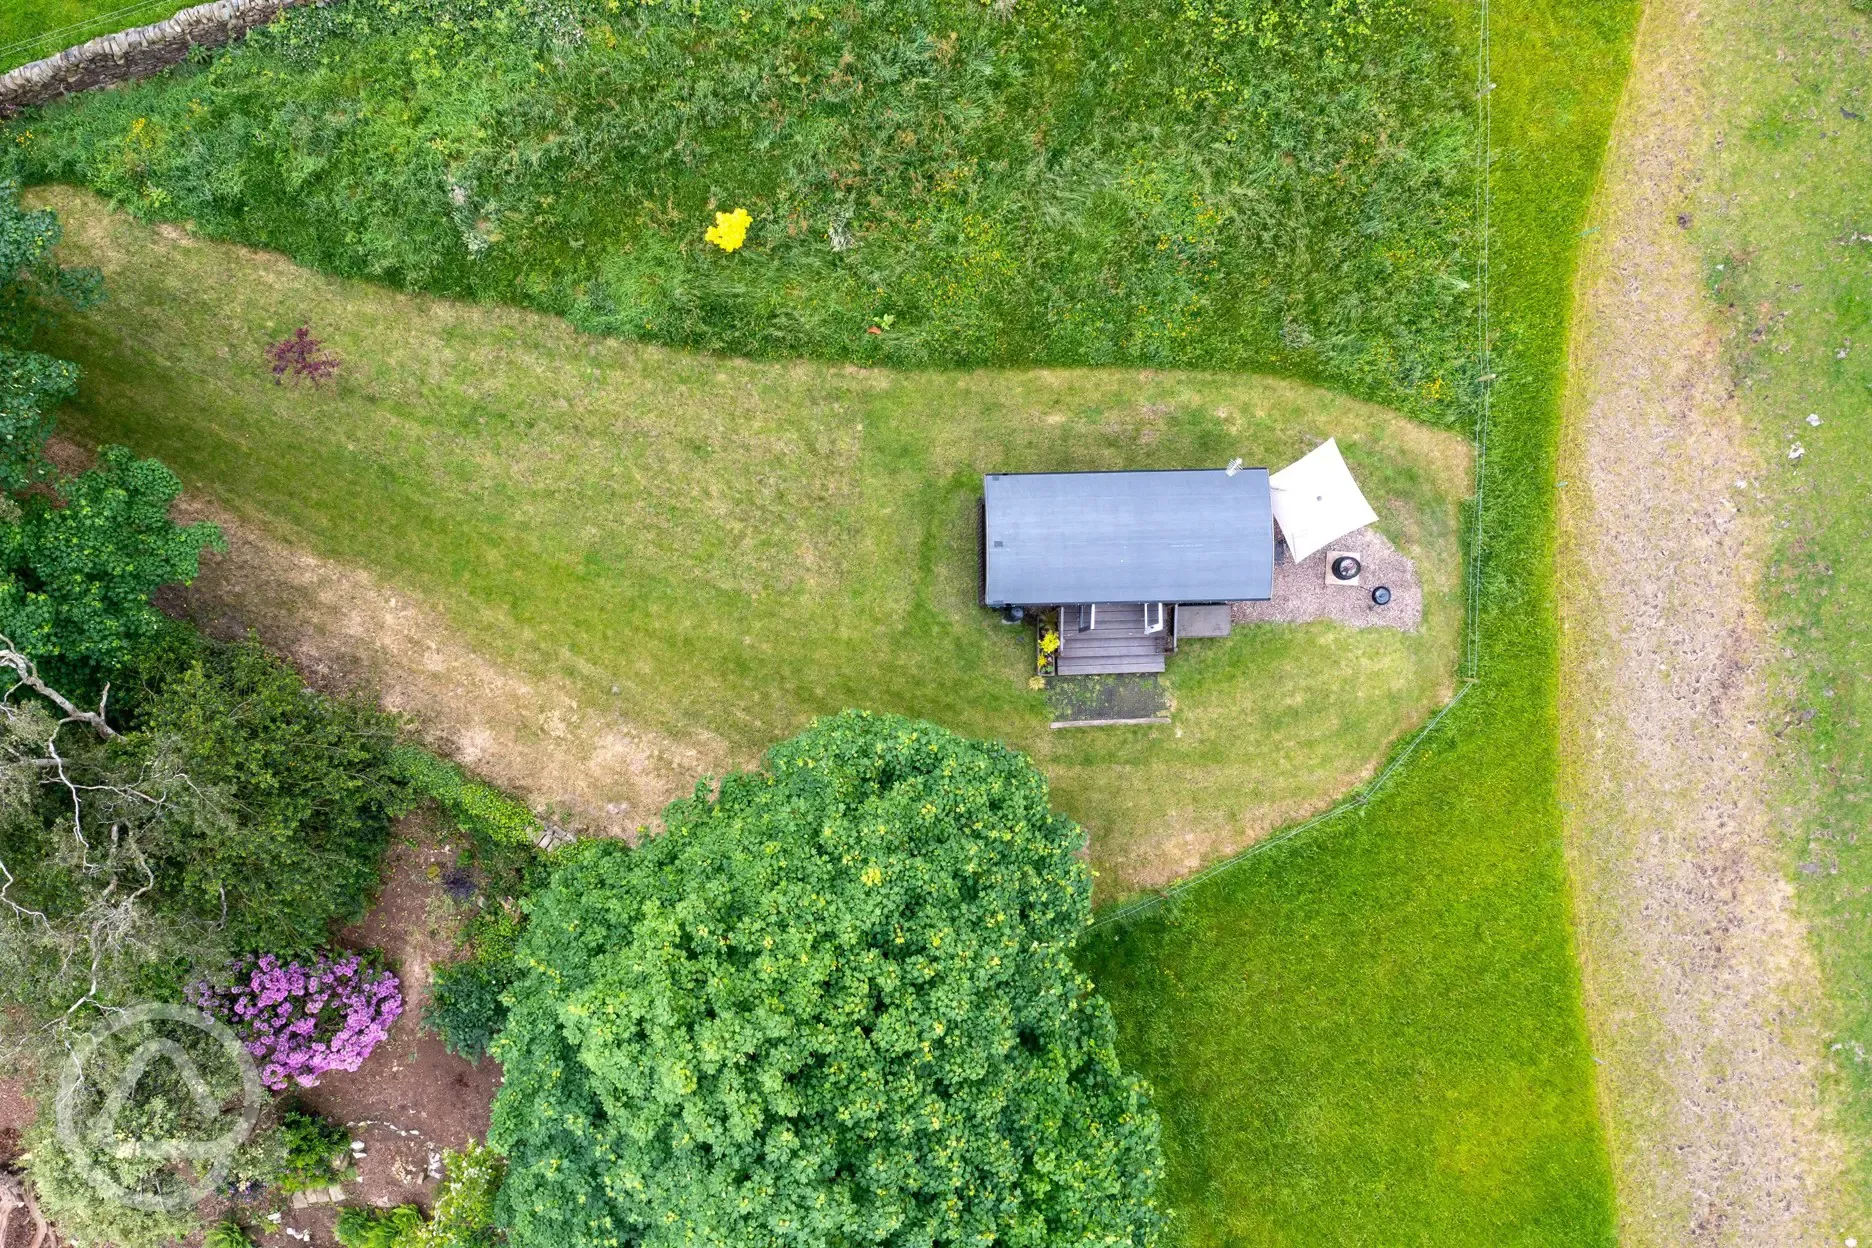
1131 560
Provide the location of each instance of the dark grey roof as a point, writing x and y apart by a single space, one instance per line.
1068 537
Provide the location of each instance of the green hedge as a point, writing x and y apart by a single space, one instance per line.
476 808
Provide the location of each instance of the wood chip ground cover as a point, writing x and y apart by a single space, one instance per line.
703 553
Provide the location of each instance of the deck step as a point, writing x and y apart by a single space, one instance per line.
1103 638
1118 644
1112 646
1098 665
1125 617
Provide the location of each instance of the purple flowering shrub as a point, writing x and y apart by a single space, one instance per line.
300 1021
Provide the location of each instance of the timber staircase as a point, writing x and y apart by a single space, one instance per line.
1115 642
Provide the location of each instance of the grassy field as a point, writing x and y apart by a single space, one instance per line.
30 29
1372 1034
1179 183
737 547
1784 222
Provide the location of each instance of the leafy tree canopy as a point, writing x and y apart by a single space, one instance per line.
31 388
29 274
76 577
237 811
832 1006
32 385
305 784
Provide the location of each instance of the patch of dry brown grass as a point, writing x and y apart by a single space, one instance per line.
1702 991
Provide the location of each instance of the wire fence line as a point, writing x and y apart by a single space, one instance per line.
1485 351
1470 664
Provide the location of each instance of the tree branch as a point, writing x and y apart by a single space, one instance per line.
29 676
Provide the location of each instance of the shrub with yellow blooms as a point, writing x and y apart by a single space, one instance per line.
729 230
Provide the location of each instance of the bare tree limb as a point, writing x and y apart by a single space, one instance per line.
29 676
24 912
16 1195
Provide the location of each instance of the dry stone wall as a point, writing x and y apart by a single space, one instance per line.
136 53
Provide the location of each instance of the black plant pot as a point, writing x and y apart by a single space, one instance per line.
1345 568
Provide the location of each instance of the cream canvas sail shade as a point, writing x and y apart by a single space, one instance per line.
1316 501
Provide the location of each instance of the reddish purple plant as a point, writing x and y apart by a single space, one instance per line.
301 1021
301 357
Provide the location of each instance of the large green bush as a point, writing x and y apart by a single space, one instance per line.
307 782
77 567
86 1217
465 1008
831 1006
126 1114
244 812
1281 184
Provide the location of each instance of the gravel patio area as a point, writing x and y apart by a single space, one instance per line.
1301 591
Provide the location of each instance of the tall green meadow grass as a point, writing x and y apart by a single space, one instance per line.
1195 183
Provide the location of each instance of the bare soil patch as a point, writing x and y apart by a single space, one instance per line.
16 1115
343 629
17 1106
412 1098
590 768
1702 991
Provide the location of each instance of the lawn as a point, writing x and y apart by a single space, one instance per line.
31 29
1783 223
735 547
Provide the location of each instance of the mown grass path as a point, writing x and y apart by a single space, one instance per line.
1703 991
1785 242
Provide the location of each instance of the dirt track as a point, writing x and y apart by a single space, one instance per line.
344 630
1702 991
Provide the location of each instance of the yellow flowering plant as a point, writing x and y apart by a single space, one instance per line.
729 230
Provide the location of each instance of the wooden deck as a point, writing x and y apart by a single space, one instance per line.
1116 643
